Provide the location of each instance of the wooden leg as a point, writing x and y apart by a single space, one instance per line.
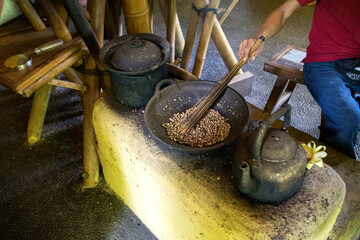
91 161
204 39
189 40
170 28
223 46
37 114
277 90
90 158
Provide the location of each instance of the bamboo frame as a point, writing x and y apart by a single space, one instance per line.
170 29
66 84
55 69
204 39
37 114
190 39
27 8
55 20
223 46
91 165
228 11
137 16
179 37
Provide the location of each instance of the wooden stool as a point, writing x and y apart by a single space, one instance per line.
288 67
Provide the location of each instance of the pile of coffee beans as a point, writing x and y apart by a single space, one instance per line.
211 128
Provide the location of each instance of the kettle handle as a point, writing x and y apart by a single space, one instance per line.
284 110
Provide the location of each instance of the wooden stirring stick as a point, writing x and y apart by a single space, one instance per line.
207 101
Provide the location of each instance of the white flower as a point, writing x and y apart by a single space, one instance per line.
314 154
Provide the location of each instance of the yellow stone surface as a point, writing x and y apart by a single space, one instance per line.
183 196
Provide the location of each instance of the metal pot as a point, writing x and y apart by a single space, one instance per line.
269 164
136 62
173 97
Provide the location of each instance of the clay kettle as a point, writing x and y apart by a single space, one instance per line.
269 164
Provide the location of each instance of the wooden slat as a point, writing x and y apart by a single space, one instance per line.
54 70
17 25
66 84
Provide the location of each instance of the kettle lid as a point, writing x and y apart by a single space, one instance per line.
278 146
137 55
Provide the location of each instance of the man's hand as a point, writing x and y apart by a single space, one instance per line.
245 46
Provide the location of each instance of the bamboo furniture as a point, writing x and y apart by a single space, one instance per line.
217 35
38 78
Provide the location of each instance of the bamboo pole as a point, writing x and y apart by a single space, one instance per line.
109 21
170 29
27 8
117 9
83 26
220 40
96 9
55 20
151 7
91 163
204 39
137 16
179 37
66 84
190 37
72 76
222 45
37 114
228 11
60 9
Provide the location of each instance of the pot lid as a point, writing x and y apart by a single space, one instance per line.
278 146
136 55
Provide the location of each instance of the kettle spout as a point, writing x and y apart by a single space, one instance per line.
243 179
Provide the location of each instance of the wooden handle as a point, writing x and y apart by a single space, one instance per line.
257 44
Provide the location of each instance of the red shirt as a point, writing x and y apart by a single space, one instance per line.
335 31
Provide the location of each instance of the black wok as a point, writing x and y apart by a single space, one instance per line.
177 96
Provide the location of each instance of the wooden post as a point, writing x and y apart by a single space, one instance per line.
190 35
90 158
55 20
117 9
170 28
151 7
37 114
60 9
179 37
109 21
31 14
137 16
96 9
204 39
223 46
91 161
228 11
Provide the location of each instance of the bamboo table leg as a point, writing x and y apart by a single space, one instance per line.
90 159
37 114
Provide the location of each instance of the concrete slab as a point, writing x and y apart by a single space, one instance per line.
182 196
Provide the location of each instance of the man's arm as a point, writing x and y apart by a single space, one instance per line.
272 25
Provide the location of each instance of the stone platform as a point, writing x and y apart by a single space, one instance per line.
183 196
